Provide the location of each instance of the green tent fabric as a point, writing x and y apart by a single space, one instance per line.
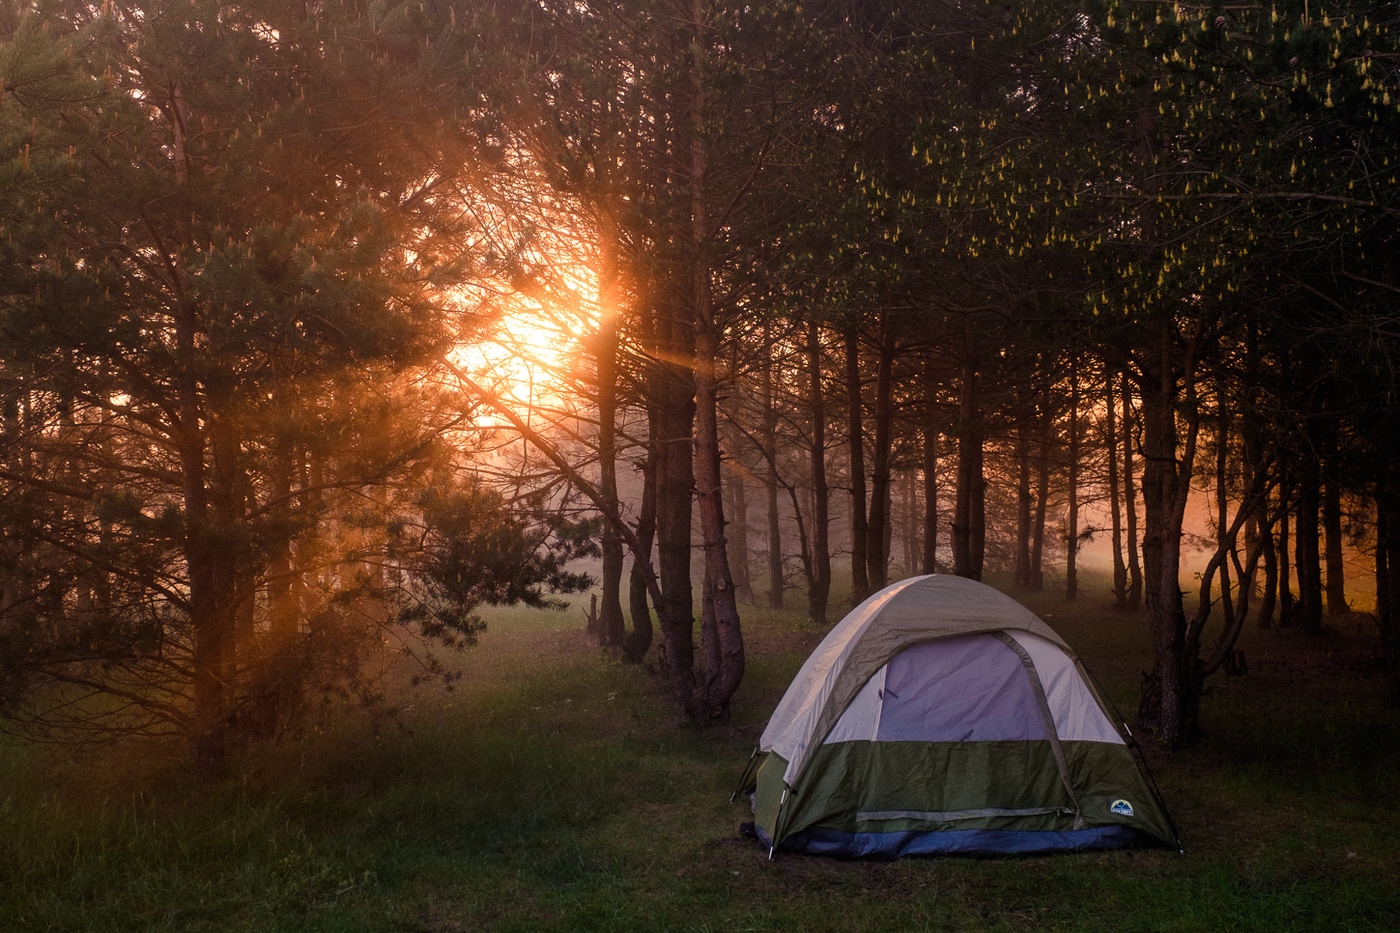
942 716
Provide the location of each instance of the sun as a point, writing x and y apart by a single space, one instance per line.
533 355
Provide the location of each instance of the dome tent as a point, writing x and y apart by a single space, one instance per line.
941 716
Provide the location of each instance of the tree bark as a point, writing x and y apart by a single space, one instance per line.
639 638
738 494
1130 499
1171 695
877 555
675 482
1388 581
968 527
930 468
1036 570
1332 526
770 476
611 624
1269 599
860 580
1072 525
1308 564
1021 566
1115 504
819 594
281 596
722 642
1287 604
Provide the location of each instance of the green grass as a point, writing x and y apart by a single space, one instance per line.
556 790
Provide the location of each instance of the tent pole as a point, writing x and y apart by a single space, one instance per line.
744 778
777 823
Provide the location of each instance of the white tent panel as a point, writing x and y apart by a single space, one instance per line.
861 721
1076 713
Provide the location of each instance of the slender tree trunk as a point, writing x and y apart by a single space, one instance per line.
1332 525
611 624
1042 494
738 511
722 640
1307 535
1269 599
207 612
930 468
860 580
639 638
968 527
1172 692
878 531
1072 542
1222 506
721 636
769 440
1115 505
1024 499
1388 580
1130 499
1286 602
1260 528
281 597
820 592
911 524
675 482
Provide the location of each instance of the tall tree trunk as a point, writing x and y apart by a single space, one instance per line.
639 638
207 600
1388 580
1269 599
611 624
1024 499
281 596
968 527
1115 505
1072 525
877 555
769 440
1260 528
1036 572
1286 615
722 640
911 536
930 467
1130 499
820 591
1307 535
1171 695
738 511
1332 526
1222 506
860 580
675 482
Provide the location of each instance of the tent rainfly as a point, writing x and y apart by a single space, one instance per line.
941 716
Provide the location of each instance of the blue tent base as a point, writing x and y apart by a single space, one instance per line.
839 844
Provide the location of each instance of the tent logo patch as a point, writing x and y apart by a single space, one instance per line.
1121 807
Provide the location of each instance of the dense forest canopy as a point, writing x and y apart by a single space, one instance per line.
863 288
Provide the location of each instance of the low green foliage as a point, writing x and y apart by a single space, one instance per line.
556 790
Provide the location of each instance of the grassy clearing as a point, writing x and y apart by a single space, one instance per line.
554 790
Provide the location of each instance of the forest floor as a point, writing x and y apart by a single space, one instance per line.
554 789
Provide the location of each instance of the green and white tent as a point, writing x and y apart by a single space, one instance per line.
942 716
